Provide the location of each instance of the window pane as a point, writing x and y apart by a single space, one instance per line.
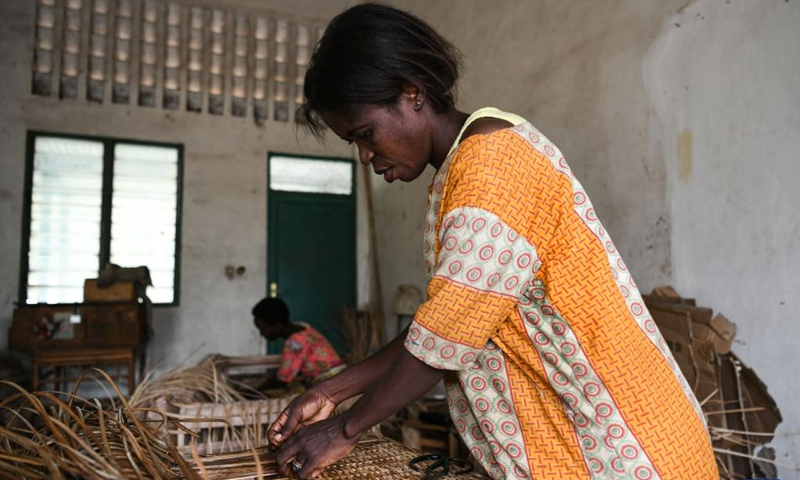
66 202
144 214
161 295
291 174
56 294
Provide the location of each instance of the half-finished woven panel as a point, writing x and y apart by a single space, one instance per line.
381 459
374 458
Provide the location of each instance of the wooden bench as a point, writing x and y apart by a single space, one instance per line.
64 360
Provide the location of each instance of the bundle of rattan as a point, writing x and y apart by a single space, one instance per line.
203 382
58 436
739 442
46 437
361 330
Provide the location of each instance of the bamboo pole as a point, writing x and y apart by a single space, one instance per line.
376 292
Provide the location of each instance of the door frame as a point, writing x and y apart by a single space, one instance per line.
274 347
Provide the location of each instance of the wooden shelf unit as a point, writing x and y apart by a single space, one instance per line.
108 334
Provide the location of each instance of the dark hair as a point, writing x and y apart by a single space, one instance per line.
368 54
273 310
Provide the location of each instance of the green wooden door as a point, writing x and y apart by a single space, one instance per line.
311 252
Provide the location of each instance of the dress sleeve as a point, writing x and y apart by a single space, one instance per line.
292 357
486 258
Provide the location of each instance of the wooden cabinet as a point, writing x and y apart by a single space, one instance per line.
69 338
108 324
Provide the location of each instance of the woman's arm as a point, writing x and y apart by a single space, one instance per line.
318 402
323 443
358 378
407 379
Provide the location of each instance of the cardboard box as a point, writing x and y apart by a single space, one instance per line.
682 351
116 292
735 401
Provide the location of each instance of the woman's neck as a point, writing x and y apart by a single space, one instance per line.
445 130
292 328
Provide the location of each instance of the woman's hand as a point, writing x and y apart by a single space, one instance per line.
310 407
318 403
309 451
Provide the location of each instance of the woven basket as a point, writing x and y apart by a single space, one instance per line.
382 459
374 458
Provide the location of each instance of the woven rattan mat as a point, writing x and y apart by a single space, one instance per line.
374 458
381 459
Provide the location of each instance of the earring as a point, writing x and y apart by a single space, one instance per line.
418 105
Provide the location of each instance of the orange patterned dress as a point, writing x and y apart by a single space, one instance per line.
559 371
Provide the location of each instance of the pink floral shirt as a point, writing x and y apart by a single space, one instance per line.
307 353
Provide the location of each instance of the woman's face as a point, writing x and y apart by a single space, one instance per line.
270 331
396 141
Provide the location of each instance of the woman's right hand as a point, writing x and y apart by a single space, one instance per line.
310 407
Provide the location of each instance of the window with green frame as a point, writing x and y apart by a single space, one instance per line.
93 201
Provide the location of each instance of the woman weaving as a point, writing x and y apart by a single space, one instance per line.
553 367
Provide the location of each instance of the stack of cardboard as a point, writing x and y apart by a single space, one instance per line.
741 414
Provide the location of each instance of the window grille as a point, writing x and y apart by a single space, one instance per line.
95 201
123 22
148 53
71 48
44 45
95 88
239 74
165 54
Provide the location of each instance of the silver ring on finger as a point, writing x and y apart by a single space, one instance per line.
296 466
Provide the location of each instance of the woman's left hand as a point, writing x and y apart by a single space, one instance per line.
315 447
310 407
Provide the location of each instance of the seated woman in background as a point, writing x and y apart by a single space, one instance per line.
307 355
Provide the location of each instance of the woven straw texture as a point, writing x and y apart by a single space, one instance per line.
381 459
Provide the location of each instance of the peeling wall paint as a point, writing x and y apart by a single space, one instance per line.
729 76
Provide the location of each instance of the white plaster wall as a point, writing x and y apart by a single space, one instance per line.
224 193
729 73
